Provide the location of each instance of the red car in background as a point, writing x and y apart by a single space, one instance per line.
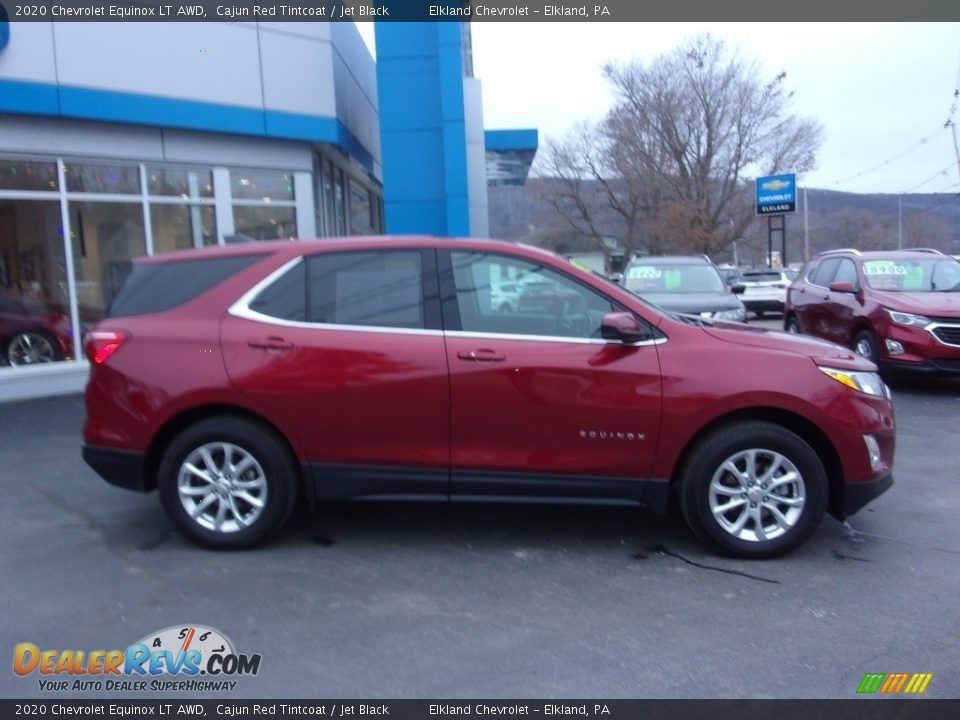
240 381
32 333
898 308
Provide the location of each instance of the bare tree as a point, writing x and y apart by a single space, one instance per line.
668 168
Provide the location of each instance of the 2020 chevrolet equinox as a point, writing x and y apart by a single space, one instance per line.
240 381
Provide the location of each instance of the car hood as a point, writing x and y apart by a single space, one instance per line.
693 302
820 351
943 304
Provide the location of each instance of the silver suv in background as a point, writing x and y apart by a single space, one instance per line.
685 284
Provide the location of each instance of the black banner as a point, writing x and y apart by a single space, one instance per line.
859 709
476 10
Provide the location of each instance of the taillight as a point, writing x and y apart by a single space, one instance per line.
101 344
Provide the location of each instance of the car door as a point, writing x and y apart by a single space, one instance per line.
841 309
809 296
345 349
540 405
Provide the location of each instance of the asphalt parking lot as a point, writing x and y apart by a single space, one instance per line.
421 601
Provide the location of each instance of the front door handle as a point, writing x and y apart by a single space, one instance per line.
481 355
273 342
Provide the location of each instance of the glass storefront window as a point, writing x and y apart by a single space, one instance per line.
180 182
27 175
339 202
265 185
34 301
361 219
265 222
113 179
331 226
180 227
105 237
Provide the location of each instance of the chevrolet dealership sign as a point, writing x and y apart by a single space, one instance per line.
776 194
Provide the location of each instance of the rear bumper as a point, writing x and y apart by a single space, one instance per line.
122 468
856 495
762 305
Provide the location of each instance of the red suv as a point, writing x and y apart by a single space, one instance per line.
240 381
898 308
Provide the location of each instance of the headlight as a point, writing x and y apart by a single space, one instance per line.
908 319
736 315
868 383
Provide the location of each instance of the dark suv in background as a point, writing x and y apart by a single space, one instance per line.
689 284
240 380
898 308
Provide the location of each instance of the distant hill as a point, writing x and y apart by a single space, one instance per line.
835 219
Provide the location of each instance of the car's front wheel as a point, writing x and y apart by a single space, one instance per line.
792 325
865 346
753 489
227 482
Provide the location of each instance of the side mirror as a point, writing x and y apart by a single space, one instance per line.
738 289
621 326
842 286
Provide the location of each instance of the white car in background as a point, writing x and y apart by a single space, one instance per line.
766 290
505 297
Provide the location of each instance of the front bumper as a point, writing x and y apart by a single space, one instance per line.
939 367
855 495
122 468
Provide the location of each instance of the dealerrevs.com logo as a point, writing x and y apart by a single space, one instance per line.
184 658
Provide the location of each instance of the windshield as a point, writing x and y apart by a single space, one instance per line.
913 275
650 278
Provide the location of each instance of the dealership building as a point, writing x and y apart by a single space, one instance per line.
119 140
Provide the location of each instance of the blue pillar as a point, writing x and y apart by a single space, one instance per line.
422 128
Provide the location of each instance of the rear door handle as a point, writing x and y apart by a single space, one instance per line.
481 355
273 342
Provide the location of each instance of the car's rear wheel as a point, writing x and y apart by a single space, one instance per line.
792 326
227 482
32 347
753 489
865 346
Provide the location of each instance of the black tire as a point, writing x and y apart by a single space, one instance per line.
51 353
792 325
706 461
865 346
273 474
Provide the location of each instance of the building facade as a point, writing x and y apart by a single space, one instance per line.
119 140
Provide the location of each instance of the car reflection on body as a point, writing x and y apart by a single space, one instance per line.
32 333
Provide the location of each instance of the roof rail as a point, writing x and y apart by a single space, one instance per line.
925 250
842 250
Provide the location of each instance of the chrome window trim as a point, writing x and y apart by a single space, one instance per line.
241 309
549 338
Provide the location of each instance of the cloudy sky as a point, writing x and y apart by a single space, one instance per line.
881 91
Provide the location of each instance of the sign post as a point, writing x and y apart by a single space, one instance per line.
776 197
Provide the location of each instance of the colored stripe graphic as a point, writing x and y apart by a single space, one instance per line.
893 683
871 682
918 683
